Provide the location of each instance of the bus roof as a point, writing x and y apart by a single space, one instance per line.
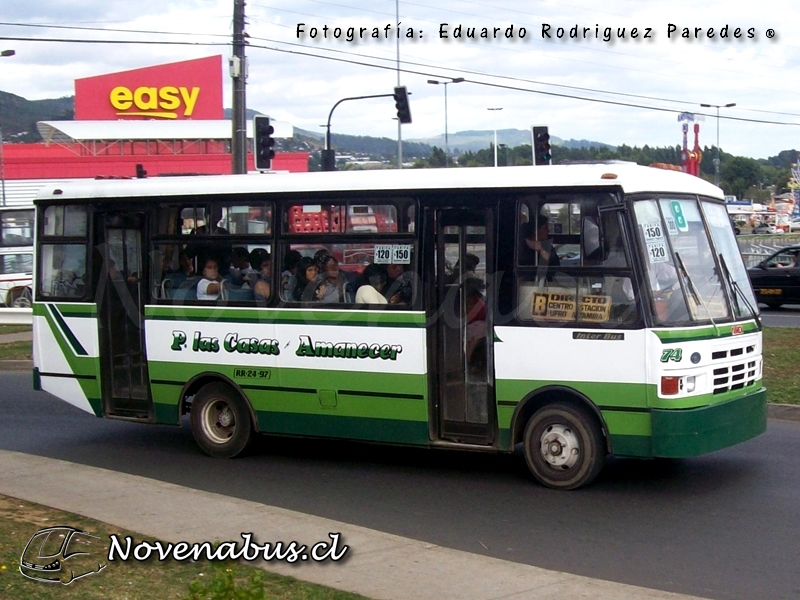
631 178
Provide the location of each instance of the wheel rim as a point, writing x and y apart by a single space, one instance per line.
218 421
560 447
23 300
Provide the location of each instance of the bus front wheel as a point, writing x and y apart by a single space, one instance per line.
221 423
564 446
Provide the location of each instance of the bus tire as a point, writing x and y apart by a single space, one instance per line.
564 446
221 423
22 299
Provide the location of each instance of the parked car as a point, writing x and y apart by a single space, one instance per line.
766 228
776 279
794 225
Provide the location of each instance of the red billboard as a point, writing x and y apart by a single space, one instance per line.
190 89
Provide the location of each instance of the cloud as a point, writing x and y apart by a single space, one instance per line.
300 79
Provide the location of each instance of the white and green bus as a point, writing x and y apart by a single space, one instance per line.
640 337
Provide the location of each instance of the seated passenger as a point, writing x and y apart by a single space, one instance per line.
371 284
240 266
537 247
332 284
307 271
398 288
261 280
209 287
289 273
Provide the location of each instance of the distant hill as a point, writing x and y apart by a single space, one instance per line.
18 116
463 141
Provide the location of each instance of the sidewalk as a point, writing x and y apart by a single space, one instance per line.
377 565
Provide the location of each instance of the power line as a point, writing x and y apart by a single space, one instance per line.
507 77
110 29
415 72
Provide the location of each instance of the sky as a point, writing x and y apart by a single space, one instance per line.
599 80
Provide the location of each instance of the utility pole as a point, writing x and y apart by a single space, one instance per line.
399 124
238 71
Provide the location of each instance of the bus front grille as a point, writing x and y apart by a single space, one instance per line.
735 376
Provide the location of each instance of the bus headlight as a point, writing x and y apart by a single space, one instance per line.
672 386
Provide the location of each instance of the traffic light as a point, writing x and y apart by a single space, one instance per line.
541 145
263 143
401 102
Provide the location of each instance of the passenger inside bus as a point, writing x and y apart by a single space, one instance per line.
307 271
261 280
536 246
289 273
240 266
399 286
371 284
209 287
476 322
332 285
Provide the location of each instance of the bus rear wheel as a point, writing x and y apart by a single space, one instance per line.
221 423
22 299
564 446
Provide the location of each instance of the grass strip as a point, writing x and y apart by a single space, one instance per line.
20 520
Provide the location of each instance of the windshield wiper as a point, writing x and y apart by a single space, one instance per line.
737 290
698 299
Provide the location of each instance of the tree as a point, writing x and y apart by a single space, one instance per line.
738 174
437 158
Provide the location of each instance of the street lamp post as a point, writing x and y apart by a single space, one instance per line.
495 134
446 141
716 160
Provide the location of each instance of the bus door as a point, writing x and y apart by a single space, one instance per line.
463 357
121 288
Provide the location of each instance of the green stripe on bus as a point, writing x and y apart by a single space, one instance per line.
78 365
304 391
603 394
704 333
387 318
633 446
685 433
67 332
68 310
354 428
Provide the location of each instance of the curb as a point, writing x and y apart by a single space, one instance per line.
783 412
16 365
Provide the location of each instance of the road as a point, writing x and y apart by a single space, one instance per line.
723 526
785 316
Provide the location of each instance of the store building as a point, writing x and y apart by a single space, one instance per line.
167 118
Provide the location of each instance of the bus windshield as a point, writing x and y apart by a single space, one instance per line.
691 257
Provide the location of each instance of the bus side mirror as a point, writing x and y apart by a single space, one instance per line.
591 239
